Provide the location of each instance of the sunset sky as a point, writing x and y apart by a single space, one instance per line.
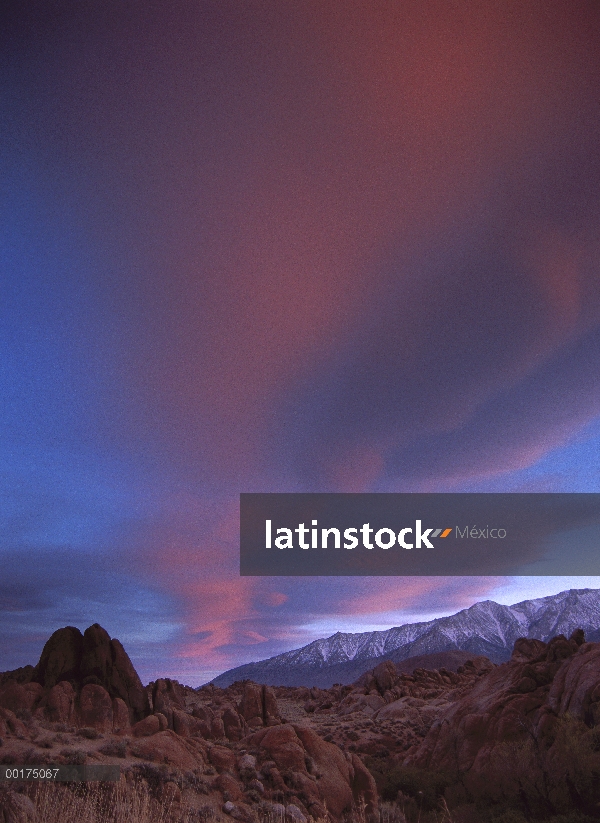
283 246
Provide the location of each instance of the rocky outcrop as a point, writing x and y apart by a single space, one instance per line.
95 708
10 725
318 771
58 704
84 679
84 703
105 663
167 695
91 658
16 696
518 702
166 747
258 706
60 658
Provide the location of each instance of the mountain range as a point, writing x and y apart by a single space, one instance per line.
486 628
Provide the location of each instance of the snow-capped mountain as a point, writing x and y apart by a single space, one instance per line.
486 628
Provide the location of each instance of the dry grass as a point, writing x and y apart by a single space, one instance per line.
100 803
133 801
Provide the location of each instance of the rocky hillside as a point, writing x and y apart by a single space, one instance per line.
487 628
223 753
472 742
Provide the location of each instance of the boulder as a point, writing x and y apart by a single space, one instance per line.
105 662
229 786
363 784
258 706
239 812
11 726
166 747
217 729
271 714
203 713
58 705
95 708
91 658
516 703
150 725
233 724
251 704
284 747
247 761
385 676
319 772
575 689
526 649
294 814
336 772
121 720
221 758
185 724
16 696
60 658
205 718
167 695
357 702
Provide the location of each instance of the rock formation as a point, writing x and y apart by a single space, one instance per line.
526 708
84 703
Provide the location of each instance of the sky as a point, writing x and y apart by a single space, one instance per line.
271 246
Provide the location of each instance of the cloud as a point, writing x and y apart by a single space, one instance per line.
342 246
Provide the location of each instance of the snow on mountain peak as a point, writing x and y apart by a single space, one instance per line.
486 628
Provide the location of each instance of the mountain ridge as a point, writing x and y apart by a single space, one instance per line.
485 628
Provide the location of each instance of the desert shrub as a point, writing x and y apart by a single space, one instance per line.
154 776
89 733
248 774
574 759
114 748
206 812
546 780
73 757
425 786
190 780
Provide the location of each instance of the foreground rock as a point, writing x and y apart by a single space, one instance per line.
525 733
526 723
227 750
